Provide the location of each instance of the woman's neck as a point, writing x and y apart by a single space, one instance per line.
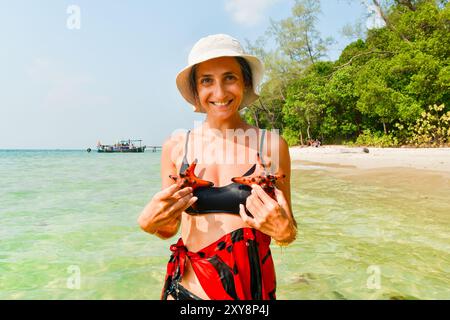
234 122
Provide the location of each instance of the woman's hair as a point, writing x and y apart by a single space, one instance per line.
245 69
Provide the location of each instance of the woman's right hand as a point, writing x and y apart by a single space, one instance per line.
162 214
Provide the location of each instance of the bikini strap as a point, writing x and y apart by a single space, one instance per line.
261 145
185 163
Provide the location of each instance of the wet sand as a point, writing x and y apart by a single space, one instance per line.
423 174
434 159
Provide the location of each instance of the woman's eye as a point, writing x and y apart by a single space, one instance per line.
230 78
205 81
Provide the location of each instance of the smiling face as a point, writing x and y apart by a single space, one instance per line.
220 86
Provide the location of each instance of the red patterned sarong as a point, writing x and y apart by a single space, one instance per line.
238 266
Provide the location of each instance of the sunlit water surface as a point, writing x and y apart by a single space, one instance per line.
70 213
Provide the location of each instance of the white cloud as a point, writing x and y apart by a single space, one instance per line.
248 12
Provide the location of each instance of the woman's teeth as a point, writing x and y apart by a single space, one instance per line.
221 104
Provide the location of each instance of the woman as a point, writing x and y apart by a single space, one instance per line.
223 252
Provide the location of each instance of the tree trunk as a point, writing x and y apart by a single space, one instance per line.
358 121
282 95
307 130
255 117
384 127
309 47
387 21
301 138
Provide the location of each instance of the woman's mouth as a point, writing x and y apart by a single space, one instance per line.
222 104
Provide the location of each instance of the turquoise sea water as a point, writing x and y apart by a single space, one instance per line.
68 231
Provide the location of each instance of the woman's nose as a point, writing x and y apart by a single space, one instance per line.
219 91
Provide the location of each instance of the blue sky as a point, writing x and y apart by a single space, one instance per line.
114 77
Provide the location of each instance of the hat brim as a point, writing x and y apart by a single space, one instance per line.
250 96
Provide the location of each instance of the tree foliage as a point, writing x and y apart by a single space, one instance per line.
379 87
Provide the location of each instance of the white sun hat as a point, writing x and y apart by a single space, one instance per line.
215 46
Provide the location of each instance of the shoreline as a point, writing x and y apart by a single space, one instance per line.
344 157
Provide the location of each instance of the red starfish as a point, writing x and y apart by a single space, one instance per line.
265 180
189 179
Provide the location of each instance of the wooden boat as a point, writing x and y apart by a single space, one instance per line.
121 146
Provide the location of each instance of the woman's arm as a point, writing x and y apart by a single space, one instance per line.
168 168
274 217
285 168
162 215
289 233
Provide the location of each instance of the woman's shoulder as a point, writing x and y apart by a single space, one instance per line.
174 143
274 137
174 138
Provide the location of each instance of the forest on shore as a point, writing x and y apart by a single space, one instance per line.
390 86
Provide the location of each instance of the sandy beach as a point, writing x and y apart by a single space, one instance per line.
424 172
434 159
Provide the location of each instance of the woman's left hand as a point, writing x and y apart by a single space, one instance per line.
270 216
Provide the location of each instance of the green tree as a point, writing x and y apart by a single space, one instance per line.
298 36
377 89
